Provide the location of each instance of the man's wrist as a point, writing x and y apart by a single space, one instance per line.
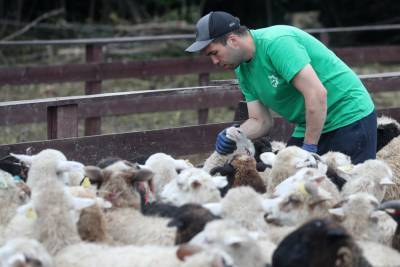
313 148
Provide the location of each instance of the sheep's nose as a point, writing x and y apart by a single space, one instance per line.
271 219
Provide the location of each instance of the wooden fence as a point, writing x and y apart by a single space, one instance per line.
63 114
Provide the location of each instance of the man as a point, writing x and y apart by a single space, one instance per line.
285 69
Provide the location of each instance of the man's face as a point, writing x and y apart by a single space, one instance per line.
225 56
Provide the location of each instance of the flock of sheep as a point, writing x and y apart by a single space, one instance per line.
264 205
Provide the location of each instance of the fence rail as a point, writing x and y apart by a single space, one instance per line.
63 114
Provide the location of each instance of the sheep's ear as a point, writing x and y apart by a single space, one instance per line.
187 250
69 166
95 174
26 159
81 203
181 164
386 181
268 158
337 212
215 208
233 241
174 222
220 181
144 174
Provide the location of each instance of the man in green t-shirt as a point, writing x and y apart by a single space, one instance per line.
287 70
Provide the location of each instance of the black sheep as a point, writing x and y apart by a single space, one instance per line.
319 243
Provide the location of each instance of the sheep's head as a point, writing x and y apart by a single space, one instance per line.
24 252
232 238
243 144
190 220
193 185
298 199
359 214
318 243
48 166
388 128
116 182
243 161
195 256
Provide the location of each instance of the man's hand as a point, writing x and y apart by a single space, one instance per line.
310 148
224 144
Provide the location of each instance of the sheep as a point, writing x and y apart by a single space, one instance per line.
287 162
125 223
392 208
242 205
372 176
243 146
165 169
66 246
235 240
189 220
338 164
20 252
193 185
51 201
391 155
388 128
319 243
241 170
85 255
301 197
14 166
358 214
11 196
379 255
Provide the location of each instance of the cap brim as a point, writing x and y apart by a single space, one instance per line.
198 45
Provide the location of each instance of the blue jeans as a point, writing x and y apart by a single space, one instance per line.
358 140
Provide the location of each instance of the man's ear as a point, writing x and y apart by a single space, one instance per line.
232 41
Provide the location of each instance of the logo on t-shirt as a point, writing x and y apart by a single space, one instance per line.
273 80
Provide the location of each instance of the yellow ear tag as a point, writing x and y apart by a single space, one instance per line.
86 182
302 188
31 214
3 183
347 168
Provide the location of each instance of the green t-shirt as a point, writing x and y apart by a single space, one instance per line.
281 52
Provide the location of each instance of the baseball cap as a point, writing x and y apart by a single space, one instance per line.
211 26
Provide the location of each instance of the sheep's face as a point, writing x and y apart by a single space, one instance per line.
243 161
117 184
232 238
357 213
24 252
193 185
317 243
298 199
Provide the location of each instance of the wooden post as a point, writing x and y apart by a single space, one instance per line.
62 121
241 112
202 114
93 54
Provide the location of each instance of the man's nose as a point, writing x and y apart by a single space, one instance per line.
214 60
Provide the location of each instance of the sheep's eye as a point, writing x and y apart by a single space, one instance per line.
294 200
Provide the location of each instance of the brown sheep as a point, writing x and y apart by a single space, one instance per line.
246 173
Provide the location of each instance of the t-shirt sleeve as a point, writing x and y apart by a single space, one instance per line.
288 56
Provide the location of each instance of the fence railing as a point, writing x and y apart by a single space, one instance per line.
63 114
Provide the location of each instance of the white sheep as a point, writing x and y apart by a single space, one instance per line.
300 198
24 252
391 155
243 146
193 186
372 176
165 169
287 162
125 223
237 241
358 214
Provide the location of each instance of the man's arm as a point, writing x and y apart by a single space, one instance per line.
259 122
315 97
